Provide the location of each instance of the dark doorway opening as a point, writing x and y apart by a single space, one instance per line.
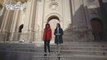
20 31
21 27
53 20
97 29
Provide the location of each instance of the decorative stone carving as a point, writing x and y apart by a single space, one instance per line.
93 11
39 0
90 1
53 5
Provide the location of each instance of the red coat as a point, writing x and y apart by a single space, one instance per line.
47 34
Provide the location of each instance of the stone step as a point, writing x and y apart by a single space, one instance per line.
84 52
63 46
86 42
84 48
87 49
54 48
41 49
63 53
81 46
33 56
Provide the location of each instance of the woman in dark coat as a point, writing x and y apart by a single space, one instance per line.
47 35
58 36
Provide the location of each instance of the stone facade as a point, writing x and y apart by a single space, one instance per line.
73 15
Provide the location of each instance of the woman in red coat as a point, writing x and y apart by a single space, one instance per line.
47 35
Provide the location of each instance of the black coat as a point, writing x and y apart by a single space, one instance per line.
58 38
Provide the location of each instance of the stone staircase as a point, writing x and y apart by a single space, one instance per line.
78 36
69 51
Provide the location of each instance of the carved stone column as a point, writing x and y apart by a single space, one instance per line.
28 31
32 21
13 26
3 24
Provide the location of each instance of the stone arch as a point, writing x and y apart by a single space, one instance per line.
97 28
21 27
53 19
53 15
20 32
97 24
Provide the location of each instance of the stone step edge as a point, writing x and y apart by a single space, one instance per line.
64 55
79 51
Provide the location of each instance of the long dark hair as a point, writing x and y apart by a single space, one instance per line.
47 24
58 25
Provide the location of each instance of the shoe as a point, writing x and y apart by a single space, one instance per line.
45 54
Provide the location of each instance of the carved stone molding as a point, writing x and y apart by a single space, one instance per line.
53 5
90 1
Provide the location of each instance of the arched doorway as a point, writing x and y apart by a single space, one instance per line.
53 20
97 28
20 28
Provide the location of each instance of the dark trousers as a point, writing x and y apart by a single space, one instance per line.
47 46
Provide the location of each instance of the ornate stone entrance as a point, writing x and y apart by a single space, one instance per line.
53 20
